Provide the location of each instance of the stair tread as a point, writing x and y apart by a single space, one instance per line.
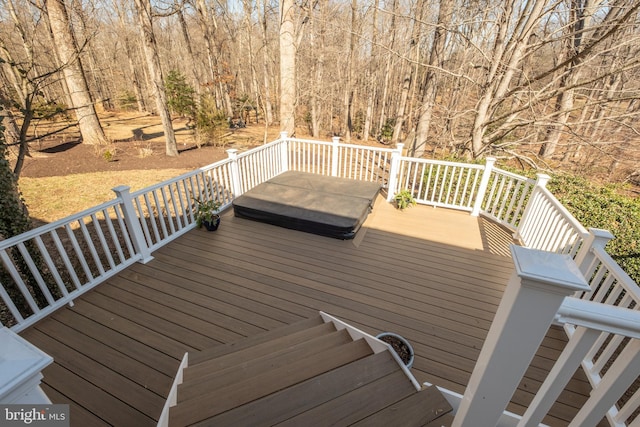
217 351
248 353
217 401
294 400
445 420
249 369
418 409
357 404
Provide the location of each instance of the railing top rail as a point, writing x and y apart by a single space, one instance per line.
442 162
28 235
211 165
255 150
178 178
565 212
310 141
513 175
614 269
163 183
602 317
344 145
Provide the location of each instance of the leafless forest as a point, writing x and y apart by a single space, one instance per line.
548 83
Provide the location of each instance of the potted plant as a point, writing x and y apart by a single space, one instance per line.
404 199
400 345
207 213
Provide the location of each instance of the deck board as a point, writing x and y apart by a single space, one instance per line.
432 275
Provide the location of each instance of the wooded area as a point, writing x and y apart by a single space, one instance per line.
552 83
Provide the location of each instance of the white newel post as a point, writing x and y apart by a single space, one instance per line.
533 295
394 172
335 155
598 238
133 223
21 364
484 183
541 182
284 152
236 186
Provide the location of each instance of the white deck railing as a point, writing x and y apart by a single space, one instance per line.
48 267
601 334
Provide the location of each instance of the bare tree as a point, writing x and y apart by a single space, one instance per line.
130 53
579 28
266 99
209 26
409 77
370 81
430 81
287 67
348 87
191 62
143 8
90 127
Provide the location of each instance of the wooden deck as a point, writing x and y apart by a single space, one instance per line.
432 275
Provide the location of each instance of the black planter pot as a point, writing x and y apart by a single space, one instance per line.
400 345
213 225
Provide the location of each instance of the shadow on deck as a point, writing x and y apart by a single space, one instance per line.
434 276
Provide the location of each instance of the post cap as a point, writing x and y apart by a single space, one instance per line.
548 268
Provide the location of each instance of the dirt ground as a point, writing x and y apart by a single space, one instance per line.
137 144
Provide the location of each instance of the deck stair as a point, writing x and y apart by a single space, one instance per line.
316 372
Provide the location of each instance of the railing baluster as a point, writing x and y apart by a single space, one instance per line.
78 251
114 237
615 382
11 269
559 376
10 305
65 259
51 266
103 241
159 206
33 269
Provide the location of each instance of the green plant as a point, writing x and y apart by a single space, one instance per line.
206 211
15 220
386 132
404 199
127 101
358 122
180 96
210 122
48 110
109 155
604 207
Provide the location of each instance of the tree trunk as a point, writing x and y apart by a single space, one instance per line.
407 81
143 8
371 81
192 62
508 55
208 26
287 67
268 109
255 87
90 127
387 72
318 67
578 17
430 84
348 90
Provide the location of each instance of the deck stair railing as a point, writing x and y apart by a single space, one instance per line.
49 266
541 291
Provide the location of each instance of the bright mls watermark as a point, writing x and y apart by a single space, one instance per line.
34 415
